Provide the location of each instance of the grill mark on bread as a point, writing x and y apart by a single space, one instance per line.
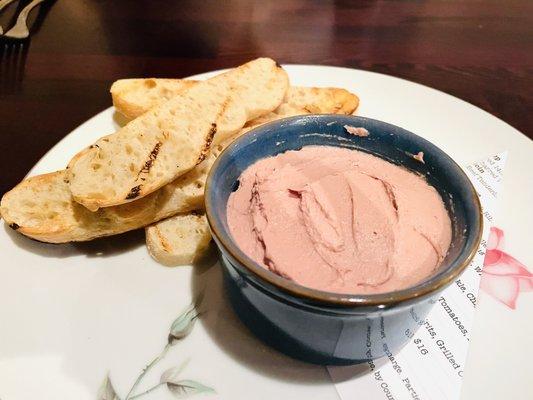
164 243
151 159
134 192
207 144
212 132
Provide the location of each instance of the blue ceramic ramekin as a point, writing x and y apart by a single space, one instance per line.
331 328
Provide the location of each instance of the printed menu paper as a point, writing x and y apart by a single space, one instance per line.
431 366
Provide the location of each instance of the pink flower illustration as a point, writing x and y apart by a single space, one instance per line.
504 277
495 241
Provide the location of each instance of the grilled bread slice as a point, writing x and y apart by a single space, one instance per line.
170 139
316 100
42 208
181 240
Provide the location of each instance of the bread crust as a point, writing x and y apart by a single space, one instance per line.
179 240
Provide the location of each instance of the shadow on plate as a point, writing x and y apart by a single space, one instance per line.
232 337
349 372
102 247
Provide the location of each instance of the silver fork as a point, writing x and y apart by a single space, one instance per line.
3 4
12 65
20 29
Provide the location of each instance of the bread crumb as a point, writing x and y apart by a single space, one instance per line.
356 131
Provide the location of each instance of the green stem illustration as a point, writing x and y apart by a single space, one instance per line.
147 391
145 371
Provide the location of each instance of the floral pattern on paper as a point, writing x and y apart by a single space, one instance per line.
504 277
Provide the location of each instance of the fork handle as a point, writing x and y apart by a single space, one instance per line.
26 10
20 30
4 3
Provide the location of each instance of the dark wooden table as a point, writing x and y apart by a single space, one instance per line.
479 51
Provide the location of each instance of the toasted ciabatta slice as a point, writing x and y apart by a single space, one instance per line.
42 207
134 97
316 100
172 138
181 240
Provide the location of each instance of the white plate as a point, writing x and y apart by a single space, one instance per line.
70 314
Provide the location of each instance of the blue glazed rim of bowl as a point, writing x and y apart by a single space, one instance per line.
435 283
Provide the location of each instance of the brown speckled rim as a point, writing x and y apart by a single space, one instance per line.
382 300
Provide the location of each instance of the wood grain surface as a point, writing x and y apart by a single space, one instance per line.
479 51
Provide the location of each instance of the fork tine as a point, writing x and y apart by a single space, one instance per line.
8 63
3 66
13 56
2 54
21 63
13 68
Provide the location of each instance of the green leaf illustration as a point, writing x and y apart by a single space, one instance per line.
182 389
107 391
171 374
184 323
186 388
